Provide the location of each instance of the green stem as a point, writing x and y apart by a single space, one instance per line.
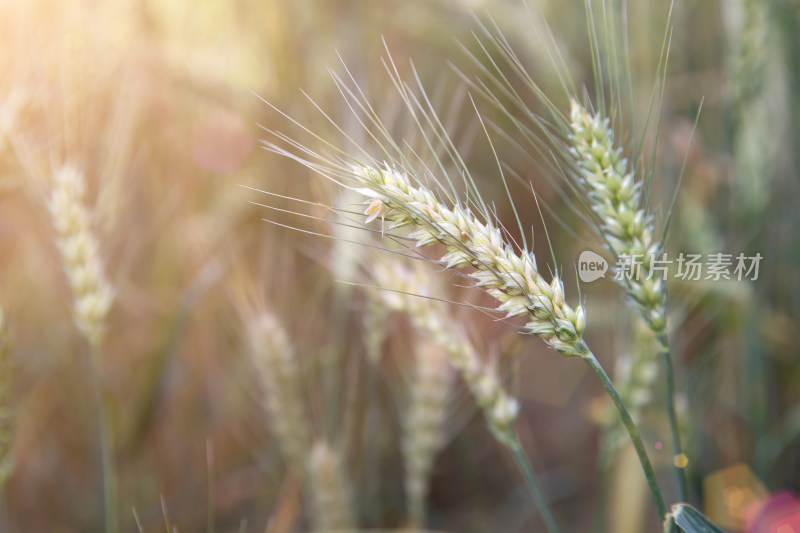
677 451
533 483
649 473
110 497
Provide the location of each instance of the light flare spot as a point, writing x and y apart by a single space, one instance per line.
221 142
680 460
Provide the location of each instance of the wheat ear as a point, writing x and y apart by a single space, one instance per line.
510 277
275 364
424 424
615 197
331 492
408 293
80 254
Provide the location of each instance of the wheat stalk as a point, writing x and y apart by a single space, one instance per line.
637 371
615 197
92 297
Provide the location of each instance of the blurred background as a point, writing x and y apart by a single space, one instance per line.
159 105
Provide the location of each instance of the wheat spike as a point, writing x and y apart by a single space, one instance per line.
510 277
80 253
615 197
331 492
275 364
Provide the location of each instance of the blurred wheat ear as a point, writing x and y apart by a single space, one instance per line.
274 361
424 424
331 492
80 254
444 349
406 291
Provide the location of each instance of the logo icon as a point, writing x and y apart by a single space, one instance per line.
591 266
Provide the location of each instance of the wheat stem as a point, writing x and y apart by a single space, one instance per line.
533 484
110 488
6 422
666 358
627 421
